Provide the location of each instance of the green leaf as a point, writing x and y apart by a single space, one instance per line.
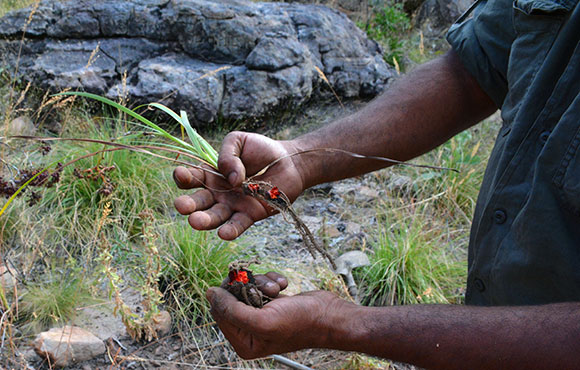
128 111
200 147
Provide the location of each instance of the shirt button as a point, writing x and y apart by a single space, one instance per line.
499 216
544 136
479 285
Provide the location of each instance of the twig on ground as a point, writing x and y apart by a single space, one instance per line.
286 361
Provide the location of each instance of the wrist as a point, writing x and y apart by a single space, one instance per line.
298 161
345 326
306 164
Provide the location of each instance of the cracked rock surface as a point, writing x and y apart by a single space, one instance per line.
235 59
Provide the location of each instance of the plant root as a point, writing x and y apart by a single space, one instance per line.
242 285
276 199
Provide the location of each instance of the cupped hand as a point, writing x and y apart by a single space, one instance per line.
287 323
271 283
222 203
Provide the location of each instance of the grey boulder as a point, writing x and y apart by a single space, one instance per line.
235 59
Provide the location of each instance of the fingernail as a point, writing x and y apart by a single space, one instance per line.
232 177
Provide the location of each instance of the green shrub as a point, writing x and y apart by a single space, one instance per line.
8 5
387 26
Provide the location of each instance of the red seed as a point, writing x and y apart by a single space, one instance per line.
274 193
241 277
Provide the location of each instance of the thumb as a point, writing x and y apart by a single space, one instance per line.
224 306
229 162
221 302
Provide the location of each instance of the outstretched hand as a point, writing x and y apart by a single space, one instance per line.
283 325
222 203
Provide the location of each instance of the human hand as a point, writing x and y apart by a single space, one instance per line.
307 320
222 202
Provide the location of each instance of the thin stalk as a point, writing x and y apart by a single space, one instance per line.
139 117
134 148
22 188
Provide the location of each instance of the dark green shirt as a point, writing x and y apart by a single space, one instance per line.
525 237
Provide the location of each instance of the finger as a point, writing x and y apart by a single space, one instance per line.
229 162
278 278
210 219
198 201
268 286
239 223
188 178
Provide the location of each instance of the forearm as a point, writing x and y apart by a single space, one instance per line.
419 112
464 337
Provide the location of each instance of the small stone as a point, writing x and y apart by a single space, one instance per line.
162 323
331 231
312 222
299 282
296 238
28 354
333 208
23 126
353 228
365 194
159 351
368 192
7 277
68 345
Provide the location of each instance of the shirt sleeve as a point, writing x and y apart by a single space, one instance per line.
483 42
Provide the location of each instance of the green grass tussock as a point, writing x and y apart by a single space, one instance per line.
95 216
420 252
408 267
199 260
388 26
52 302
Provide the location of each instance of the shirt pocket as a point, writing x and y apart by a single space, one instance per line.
536 24
540 15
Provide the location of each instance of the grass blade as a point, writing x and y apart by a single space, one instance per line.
131 113
200 145
193 137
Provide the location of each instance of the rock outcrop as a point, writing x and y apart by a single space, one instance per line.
235 59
